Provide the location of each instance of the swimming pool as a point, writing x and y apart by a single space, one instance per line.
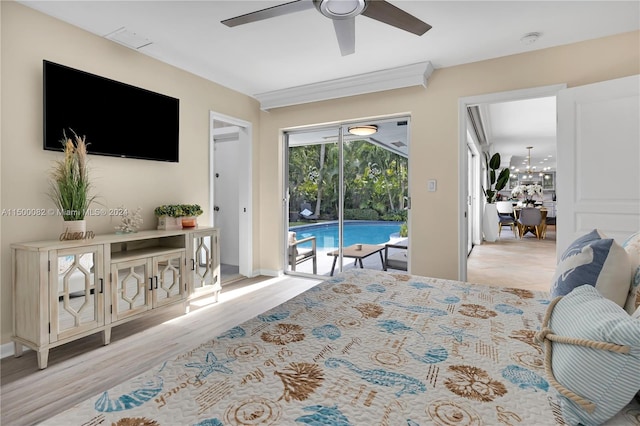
355 232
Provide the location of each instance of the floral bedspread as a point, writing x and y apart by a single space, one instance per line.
362 348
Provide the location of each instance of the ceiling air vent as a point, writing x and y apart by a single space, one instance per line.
402 123
399 144
128 38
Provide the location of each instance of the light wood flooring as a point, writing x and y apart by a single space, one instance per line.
527 263
85 368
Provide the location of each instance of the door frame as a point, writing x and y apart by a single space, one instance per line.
245 201
339 126
463 103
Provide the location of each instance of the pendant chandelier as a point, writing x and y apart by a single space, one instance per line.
529 170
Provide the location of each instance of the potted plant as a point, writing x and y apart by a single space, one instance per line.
177 216
497 182
528 192
69 184
190 215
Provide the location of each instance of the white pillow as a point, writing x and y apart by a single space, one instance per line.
306 212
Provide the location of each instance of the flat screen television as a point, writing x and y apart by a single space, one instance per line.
117 119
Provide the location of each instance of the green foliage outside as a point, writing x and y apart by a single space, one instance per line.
404 230
364 214
375 179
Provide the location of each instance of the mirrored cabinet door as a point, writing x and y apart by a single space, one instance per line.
205 263
77 299
131 283
168 280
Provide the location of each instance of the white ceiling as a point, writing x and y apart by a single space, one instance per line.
511 127
301 48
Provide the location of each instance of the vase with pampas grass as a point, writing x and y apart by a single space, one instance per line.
69 185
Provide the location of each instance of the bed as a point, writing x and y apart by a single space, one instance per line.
361 348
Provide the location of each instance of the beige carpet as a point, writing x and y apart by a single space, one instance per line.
526 263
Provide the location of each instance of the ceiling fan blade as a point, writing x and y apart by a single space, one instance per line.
270 12
383 11
346 33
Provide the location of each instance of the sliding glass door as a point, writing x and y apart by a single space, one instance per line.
346 195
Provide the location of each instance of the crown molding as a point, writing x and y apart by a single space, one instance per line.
377 81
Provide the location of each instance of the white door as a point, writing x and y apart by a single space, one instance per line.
230 185
598 178
226 203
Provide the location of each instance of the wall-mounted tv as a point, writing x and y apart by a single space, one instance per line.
118 119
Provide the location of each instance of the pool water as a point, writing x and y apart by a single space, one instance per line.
355 232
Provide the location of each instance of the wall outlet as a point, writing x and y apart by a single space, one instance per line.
432 185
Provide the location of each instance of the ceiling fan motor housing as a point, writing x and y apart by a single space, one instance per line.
340 9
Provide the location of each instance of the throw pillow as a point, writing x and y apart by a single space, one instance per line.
592 355
596 260
632 247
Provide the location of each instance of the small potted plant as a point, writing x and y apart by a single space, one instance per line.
177 216
169 217
69 184
191 213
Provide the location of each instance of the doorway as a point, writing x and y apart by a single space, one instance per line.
346 194
230 186
466 128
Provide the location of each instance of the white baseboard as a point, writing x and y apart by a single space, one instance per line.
269 273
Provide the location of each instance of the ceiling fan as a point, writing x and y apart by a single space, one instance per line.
343 14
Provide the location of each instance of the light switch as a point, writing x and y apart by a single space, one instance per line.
432 185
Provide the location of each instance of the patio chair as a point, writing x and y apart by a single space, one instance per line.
396 259
306 212
298 255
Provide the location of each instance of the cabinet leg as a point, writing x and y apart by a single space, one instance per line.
106 336
215 296
187 307
17 349
43 358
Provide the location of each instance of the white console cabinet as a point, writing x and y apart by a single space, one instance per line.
65 290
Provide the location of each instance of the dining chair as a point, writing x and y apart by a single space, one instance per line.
530 219
505 216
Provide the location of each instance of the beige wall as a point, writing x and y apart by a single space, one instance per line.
28 37
434 135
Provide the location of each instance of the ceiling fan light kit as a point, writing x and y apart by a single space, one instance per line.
363 130
343 14
340 9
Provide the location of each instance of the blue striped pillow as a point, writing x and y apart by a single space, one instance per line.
608 379
596 260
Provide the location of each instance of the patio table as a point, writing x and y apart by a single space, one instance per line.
356 253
